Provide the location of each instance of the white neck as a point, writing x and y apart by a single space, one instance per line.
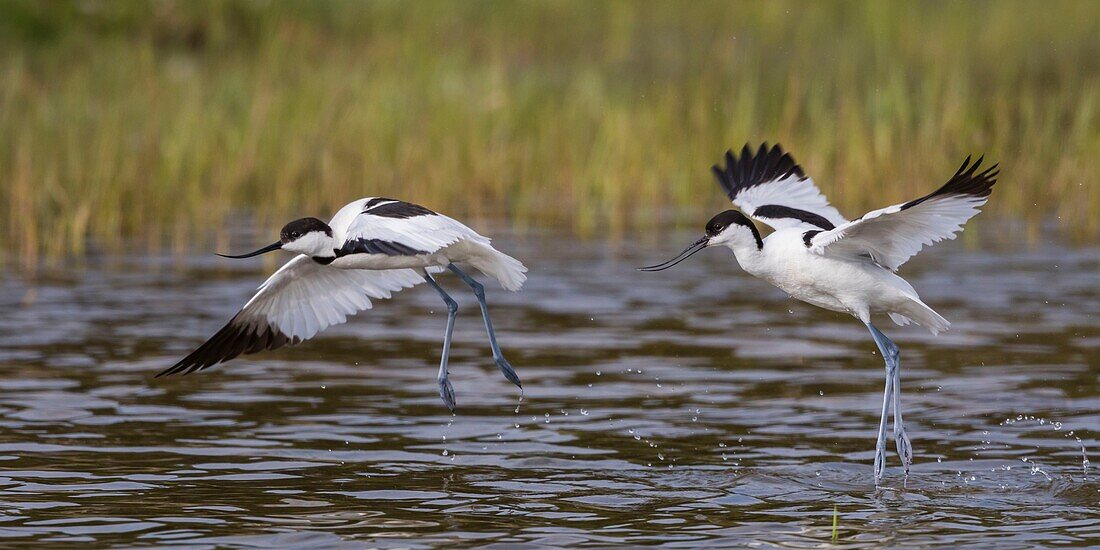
749 256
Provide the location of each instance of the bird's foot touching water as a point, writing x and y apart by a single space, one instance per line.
880 461
905 448
447 392
509 372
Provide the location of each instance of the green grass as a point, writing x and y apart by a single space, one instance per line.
159 122
836 523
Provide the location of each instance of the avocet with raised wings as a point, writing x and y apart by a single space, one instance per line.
371 248
817 256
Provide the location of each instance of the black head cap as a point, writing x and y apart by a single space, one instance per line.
295 229
720 222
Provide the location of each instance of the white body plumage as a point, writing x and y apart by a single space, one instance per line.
372 248
855 287
817 256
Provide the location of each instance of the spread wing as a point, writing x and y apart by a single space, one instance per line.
393 227
301 299
769 187
891 235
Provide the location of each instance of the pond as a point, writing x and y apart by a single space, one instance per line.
695 406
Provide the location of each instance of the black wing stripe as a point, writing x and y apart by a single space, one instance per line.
378 246
778 211
751 169
232 340
808 237
375 202
966 181
392 208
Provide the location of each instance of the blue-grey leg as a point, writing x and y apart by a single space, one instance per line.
905 447
892 396
446 391
498 357
880 443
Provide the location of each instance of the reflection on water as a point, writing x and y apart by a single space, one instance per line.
696 405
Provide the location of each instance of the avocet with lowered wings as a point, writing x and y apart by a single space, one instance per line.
817 256
371 248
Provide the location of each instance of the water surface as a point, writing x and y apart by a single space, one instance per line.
693 406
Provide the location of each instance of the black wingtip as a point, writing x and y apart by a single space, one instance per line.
766 164
237 337
179 368
966 181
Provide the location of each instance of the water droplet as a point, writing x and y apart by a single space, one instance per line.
445 452
584 412
598 373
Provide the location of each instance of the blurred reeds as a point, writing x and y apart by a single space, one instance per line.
161 122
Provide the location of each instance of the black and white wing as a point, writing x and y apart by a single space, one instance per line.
388 226
891 235
770 187
299 300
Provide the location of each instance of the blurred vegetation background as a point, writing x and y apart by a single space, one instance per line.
167 122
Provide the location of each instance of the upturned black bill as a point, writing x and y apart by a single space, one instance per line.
695 247
264 250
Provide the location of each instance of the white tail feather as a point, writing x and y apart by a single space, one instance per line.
919 313
508 271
